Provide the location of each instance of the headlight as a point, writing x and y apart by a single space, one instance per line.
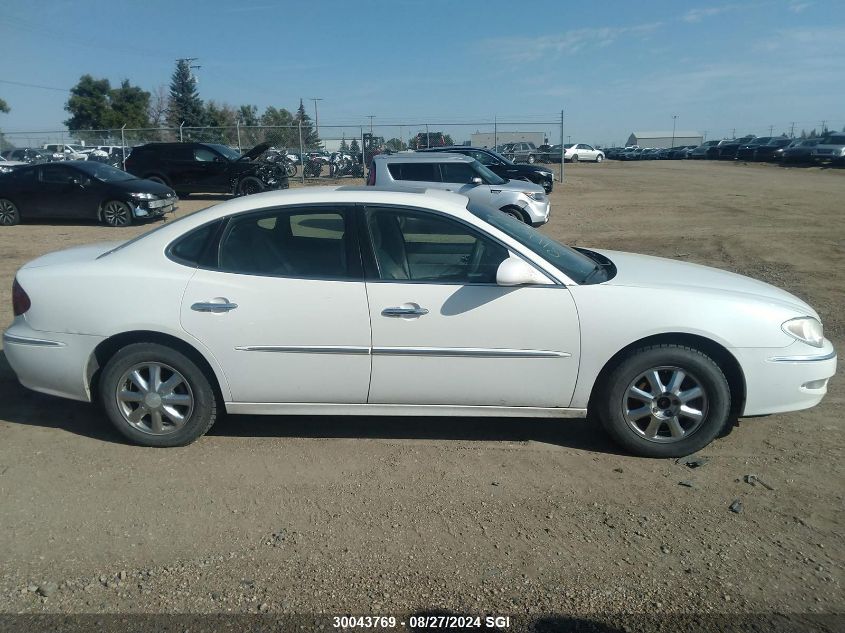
806 329
4 169
539 197
143 196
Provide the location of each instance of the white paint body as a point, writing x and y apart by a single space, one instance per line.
316 346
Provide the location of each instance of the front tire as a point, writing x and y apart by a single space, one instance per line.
664 401
157 396
9 214
599 158
515 213
249 186
531 159
116 213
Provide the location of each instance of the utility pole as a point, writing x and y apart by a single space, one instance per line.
371 117
188 61
705 136
316 115
824 126
792 130
562 148
733 133
771 128
674 121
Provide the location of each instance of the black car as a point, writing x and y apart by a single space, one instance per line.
773 150
728 149
206 168
746 150
79 189
503 167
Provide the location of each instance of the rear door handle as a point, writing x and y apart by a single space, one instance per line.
210 306
403 311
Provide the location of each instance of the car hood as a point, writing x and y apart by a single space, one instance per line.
75 254
525 168
142 185
256 151
518 185
656 272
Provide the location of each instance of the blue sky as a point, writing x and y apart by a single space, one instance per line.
614 66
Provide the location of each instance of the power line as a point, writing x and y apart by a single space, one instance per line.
26 85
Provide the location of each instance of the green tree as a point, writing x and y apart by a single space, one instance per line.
185 104
309 137
4 107
448 139
248 115
355 147
396 145
285 133
89 104
129 106
344 146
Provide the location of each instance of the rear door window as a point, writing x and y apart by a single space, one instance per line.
420 172
457 172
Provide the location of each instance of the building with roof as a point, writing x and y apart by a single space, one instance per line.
665 139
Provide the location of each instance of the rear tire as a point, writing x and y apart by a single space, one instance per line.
9 214
249 186
145 404
116 213
531 159
690 406
159 180
574 158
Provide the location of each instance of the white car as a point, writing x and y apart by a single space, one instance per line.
575 152
339 301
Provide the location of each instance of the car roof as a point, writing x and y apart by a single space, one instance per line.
424 157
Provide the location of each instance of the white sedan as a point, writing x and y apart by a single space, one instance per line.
338 301
574 152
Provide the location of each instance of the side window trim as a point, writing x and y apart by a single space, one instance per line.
346 210
371 264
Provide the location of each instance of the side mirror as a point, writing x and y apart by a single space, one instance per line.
476 180
517 272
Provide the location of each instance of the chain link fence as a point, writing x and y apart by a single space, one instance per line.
342 151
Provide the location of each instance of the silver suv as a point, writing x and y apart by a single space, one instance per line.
455 172
830 149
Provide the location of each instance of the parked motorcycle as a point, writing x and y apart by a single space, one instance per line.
344 165
312 167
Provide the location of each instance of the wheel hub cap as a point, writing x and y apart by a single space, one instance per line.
664 404
154 398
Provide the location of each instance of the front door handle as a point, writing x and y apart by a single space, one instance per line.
406 310
211 306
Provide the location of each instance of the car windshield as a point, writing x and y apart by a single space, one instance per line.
568 145
575 265
488 176
228 152
834 140
103 172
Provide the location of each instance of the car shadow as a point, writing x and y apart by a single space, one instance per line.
19 405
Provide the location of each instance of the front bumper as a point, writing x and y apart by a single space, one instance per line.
786 379
55 363
537 211
154 208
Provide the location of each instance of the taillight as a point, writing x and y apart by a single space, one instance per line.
371 176
20 300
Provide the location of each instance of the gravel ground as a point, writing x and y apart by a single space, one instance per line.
400 515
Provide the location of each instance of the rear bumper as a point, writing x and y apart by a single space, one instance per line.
50 362
788 379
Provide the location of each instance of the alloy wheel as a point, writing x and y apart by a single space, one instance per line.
664 404
116 213
154 398
8 212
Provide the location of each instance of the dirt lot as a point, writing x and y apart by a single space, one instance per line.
374 515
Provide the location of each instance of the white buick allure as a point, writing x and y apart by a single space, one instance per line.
338 301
